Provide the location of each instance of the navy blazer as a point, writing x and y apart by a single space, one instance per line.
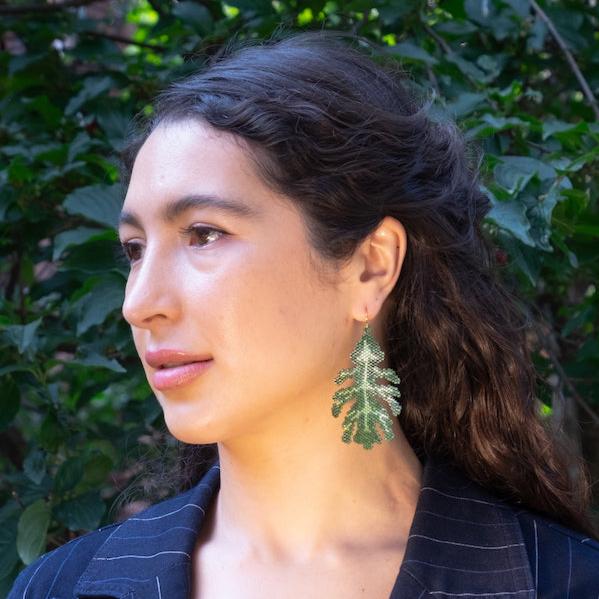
463 543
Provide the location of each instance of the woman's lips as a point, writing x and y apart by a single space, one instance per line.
177 376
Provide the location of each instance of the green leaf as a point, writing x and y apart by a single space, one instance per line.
52 433
456 27
538 33
510 216
194 14
94 307
522 9
413 52
116 125
555 126
467 68
68 475
81 144
32 530
99 361
34 465
479 11
73 237
98 203
514 172
367 412
465 103
97 468
23 336
92 88
83 512
9 519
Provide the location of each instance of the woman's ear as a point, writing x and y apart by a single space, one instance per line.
378 261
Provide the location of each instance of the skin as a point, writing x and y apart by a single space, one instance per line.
292 493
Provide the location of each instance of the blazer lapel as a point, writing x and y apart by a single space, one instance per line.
149 555
463 542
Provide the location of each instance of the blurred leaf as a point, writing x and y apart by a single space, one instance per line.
81 513
35 466
194 14
465 103
92 88
414 52
73 237
95 359
31 531
68 475
23 336
9 518
511 216
98 203
104 298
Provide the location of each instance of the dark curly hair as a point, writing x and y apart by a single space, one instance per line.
342 135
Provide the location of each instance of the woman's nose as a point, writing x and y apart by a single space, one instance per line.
151 294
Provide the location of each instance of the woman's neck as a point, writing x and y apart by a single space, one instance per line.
292 496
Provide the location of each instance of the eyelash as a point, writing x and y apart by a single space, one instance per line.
186 231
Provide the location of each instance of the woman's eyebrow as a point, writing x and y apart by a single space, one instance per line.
172 210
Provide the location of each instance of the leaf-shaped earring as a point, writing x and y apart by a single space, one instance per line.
366 392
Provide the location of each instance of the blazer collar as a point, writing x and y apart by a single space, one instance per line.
149 555
463 541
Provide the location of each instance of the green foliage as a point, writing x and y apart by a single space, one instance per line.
367 393
75 402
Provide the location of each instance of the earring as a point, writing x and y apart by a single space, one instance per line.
367 411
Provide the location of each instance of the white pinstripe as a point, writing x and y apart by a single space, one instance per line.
415 561
64 561
466 544
492 524
496 594
569 565
139 556
536 558
494 504
33 576
165 515
158 535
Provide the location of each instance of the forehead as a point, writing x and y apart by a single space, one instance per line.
187 165
178 157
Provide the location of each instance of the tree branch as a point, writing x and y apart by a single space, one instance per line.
562 44
43 8
123 40
438 39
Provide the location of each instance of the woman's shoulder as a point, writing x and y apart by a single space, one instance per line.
62 565
162 531
469 539
560 557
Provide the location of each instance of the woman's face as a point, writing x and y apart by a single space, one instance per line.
235 286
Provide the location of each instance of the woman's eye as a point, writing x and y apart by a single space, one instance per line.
131 250
202 235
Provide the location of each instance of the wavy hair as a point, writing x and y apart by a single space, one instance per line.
343 136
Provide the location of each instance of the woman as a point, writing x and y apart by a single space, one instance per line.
301 235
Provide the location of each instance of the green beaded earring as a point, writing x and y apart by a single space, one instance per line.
367 411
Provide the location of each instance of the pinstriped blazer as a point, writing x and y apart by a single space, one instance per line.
463 543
